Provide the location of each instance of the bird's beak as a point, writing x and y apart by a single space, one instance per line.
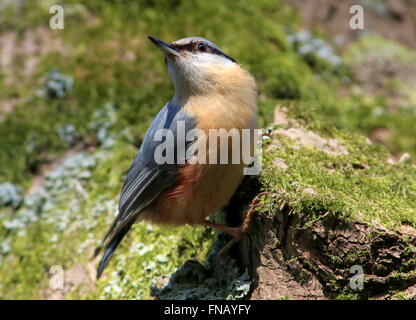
166 48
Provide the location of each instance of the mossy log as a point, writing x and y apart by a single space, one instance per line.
288 258
313 250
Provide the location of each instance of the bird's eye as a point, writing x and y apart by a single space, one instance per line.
202 46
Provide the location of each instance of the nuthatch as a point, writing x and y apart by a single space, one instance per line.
212 91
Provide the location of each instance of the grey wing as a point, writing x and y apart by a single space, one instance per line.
146 180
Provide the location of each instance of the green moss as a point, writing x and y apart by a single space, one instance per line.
403 295
347 297
150 258
58 235
215 279
352 185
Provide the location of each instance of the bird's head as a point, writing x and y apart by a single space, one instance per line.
198 66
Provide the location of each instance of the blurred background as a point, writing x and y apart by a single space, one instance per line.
75 104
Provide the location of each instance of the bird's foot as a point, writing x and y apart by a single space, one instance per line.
237 232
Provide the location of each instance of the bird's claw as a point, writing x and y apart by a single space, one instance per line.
239 232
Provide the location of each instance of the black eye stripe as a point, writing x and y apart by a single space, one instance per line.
193 47
220 53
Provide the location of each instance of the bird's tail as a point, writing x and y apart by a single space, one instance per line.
111 245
